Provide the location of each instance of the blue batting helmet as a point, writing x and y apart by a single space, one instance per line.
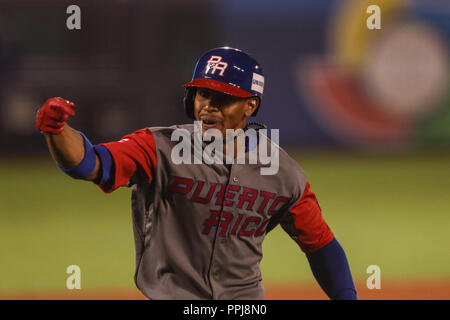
227 70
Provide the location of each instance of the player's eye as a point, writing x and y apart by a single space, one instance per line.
224 99
204 94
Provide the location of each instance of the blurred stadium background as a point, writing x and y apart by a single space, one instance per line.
365 112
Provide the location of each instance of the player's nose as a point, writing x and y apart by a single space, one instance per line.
209 107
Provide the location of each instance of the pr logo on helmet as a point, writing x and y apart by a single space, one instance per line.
215 63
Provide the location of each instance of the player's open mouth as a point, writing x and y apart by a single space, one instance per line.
208 123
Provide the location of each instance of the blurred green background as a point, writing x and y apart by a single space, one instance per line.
386 210
366 112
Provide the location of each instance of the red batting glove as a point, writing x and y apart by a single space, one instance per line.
53 115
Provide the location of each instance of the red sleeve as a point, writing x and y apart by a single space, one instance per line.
312 231
136 151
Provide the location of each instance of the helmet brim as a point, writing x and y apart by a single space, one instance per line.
219 86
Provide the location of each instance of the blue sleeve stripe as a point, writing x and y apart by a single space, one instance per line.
106 163
331 270
86 166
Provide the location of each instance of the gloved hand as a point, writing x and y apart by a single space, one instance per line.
52 116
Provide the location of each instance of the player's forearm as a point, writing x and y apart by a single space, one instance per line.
68 150
331 270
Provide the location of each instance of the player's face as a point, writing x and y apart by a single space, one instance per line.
221 111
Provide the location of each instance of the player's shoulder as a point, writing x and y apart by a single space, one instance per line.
289 163
157 133
290 170
166 137
168 131
286 156
285 159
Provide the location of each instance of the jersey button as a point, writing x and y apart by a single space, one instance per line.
235 179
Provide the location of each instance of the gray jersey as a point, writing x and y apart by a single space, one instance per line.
199 228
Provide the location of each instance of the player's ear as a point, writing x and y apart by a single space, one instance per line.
251 106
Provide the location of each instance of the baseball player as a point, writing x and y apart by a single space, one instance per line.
199 227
